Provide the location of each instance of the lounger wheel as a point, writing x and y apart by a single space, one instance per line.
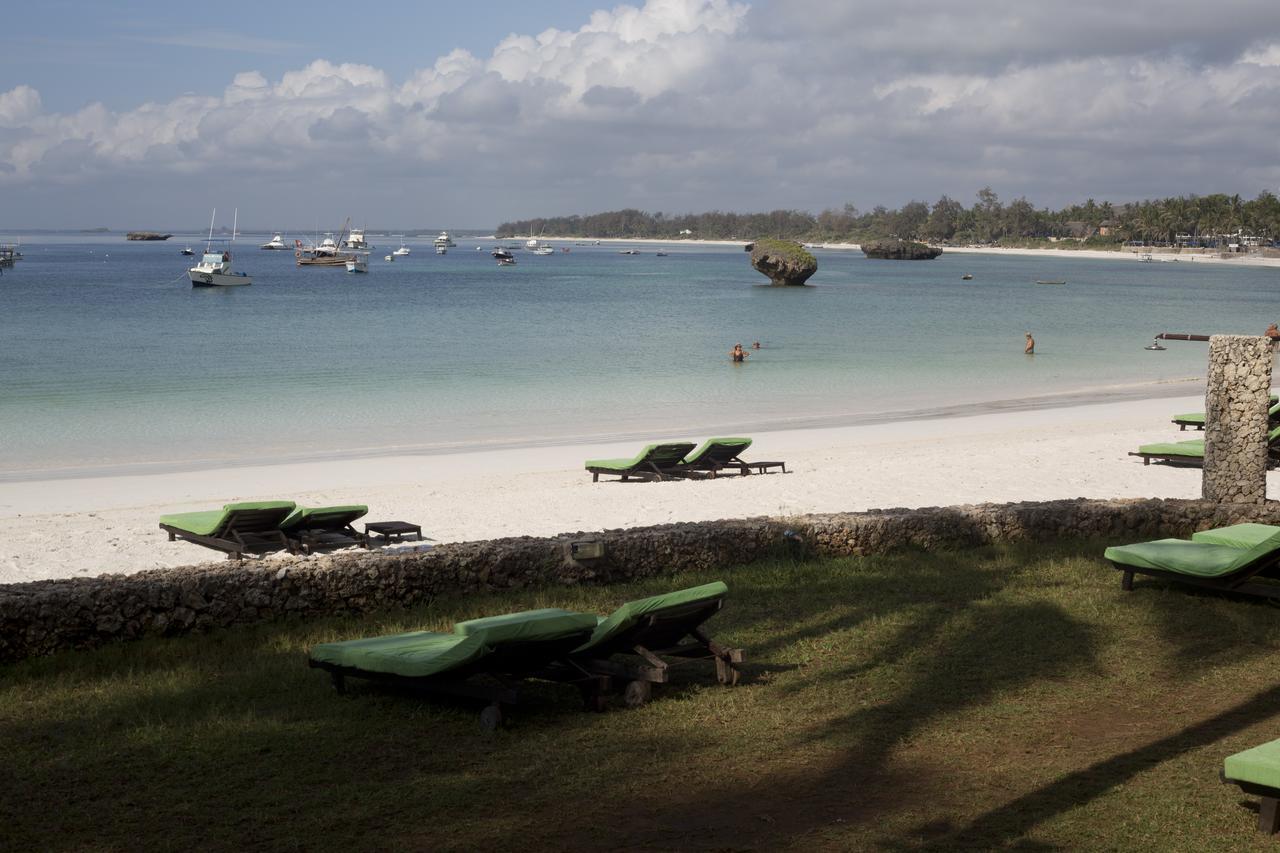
491 717
636 693
726 672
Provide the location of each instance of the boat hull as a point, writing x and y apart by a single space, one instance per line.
218 279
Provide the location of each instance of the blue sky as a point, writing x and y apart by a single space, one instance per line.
147 114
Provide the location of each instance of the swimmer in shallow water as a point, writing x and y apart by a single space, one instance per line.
1030 348
738 354
756 345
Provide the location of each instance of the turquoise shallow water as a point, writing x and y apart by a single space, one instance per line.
108 357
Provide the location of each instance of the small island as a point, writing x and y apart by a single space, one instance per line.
900 250
146 235
785 262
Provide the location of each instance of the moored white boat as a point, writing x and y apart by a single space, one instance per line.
444 240
355 240
402 251
276 243
214 268
359 262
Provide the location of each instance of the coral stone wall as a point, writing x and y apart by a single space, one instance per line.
47 616
1237 394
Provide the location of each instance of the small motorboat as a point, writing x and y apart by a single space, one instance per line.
1050 281
661 254
358 262
276 244
543 250
506 262
628 252
188 251
503 255
390 257
966 277
402 251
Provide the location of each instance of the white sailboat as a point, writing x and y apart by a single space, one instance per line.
214 269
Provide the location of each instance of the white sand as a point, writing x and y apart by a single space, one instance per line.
71 527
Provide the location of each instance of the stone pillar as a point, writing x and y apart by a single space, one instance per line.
1235 435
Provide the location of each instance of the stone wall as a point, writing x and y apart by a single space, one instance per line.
46 616
1236 400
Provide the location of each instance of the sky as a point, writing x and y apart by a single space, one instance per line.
398 114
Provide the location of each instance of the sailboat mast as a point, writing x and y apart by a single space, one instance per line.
211 220
234 218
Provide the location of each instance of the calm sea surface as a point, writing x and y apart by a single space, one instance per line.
108 357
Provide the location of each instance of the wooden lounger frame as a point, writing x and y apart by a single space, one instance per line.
1240 581
1268 807
647 471
674 632
244 531
327 537
505 672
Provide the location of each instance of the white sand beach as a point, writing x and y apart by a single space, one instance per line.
78 527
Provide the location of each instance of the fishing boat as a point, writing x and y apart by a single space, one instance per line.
503 255
1050 281
214 269
188 251
402 251
326 253
544 250
358 262
444 240
275 244
355 240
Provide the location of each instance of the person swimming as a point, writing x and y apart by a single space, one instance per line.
738 354
756 345
1030 348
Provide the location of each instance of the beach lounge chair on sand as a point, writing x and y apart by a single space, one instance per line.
654 462
654 628
1196 419
482 659
720 454
237 529
1230 559
1191 452
1257 772
311 529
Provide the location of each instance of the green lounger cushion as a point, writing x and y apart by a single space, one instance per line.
417 654
669 453
718 448
1259 765
633 611
1193 449
1197 559
1237 535
320 516
1198 417
529 626
210 522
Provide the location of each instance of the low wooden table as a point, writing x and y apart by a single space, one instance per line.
762 467
389 529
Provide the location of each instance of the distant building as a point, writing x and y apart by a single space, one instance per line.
1107 227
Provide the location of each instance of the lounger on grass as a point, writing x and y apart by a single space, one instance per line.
237 529
1257 772
1191 452
1204 562
654 462
1197 419
720 454
311 529
652 629
483 658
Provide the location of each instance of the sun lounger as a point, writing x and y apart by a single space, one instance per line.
483 658
1257 772
312 529
654 628
720 454
1205 562
237 529
1191 452
1196 419
654 462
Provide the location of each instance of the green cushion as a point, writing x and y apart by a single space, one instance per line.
210 522
529 626
718 449
414 655
669 453
1197 559
1259 765
1189 418
323 516
1237 535
633 611
1193 449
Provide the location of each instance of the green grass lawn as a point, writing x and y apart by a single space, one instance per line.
1002 697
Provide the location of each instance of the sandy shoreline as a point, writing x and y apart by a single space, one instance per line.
1158 255
86 526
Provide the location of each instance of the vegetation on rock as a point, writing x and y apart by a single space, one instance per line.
785 262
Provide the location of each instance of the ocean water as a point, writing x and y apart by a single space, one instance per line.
109 358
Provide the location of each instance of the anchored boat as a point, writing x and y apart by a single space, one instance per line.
214 268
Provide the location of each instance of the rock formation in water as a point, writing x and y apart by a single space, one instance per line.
900 250
785 262
146 235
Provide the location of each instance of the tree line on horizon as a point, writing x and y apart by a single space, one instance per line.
987 221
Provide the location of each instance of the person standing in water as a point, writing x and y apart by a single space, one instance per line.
738 354
1030 348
